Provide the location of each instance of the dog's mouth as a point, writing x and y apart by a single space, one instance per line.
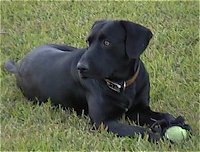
88 75
84 75
85 72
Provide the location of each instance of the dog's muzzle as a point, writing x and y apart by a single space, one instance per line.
83 69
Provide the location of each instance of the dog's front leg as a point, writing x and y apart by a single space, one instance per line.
143 115
157 121
128 130
123 130
100 113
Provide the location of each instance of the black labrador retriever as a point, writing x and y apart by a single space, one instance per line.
106 80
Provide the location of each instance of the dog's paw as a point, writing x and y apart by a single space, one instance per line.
158 126
165 122
154 137
162 125
179 121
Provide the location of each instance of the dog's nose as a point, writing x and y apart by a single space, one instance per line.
82 67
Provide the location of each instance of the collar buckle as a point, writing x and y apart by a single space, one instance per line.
115 86
124 86
118 87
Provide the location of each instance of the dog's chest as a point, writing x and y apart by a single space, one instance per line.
121 101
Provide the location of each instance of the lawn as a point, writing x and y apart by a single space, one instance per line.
172 60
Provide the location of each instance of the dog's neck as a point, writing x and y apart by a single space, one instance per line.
126 71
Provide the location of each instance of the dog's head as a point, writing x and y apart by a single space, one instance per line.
112 44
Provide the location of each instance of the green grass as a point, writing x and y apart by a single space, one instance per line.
172 60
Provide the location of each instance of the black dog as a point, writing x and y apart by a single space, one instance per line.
106 80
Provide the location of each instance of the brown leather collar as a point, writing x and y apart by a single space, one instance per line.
118 87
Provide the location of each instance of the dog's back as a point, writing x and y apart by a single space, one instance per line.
45 73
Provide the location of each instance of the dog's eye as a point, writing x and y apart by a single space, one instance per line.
106 42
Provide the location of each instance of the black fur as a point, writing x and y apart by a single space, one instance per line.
75 78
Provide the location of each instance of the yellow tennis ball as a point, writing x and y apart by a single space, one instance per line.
176 134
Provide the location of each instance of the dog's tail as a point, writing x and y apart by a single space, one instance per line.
11 67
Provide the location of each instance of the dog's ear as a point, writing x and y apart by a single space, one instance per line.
137 38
